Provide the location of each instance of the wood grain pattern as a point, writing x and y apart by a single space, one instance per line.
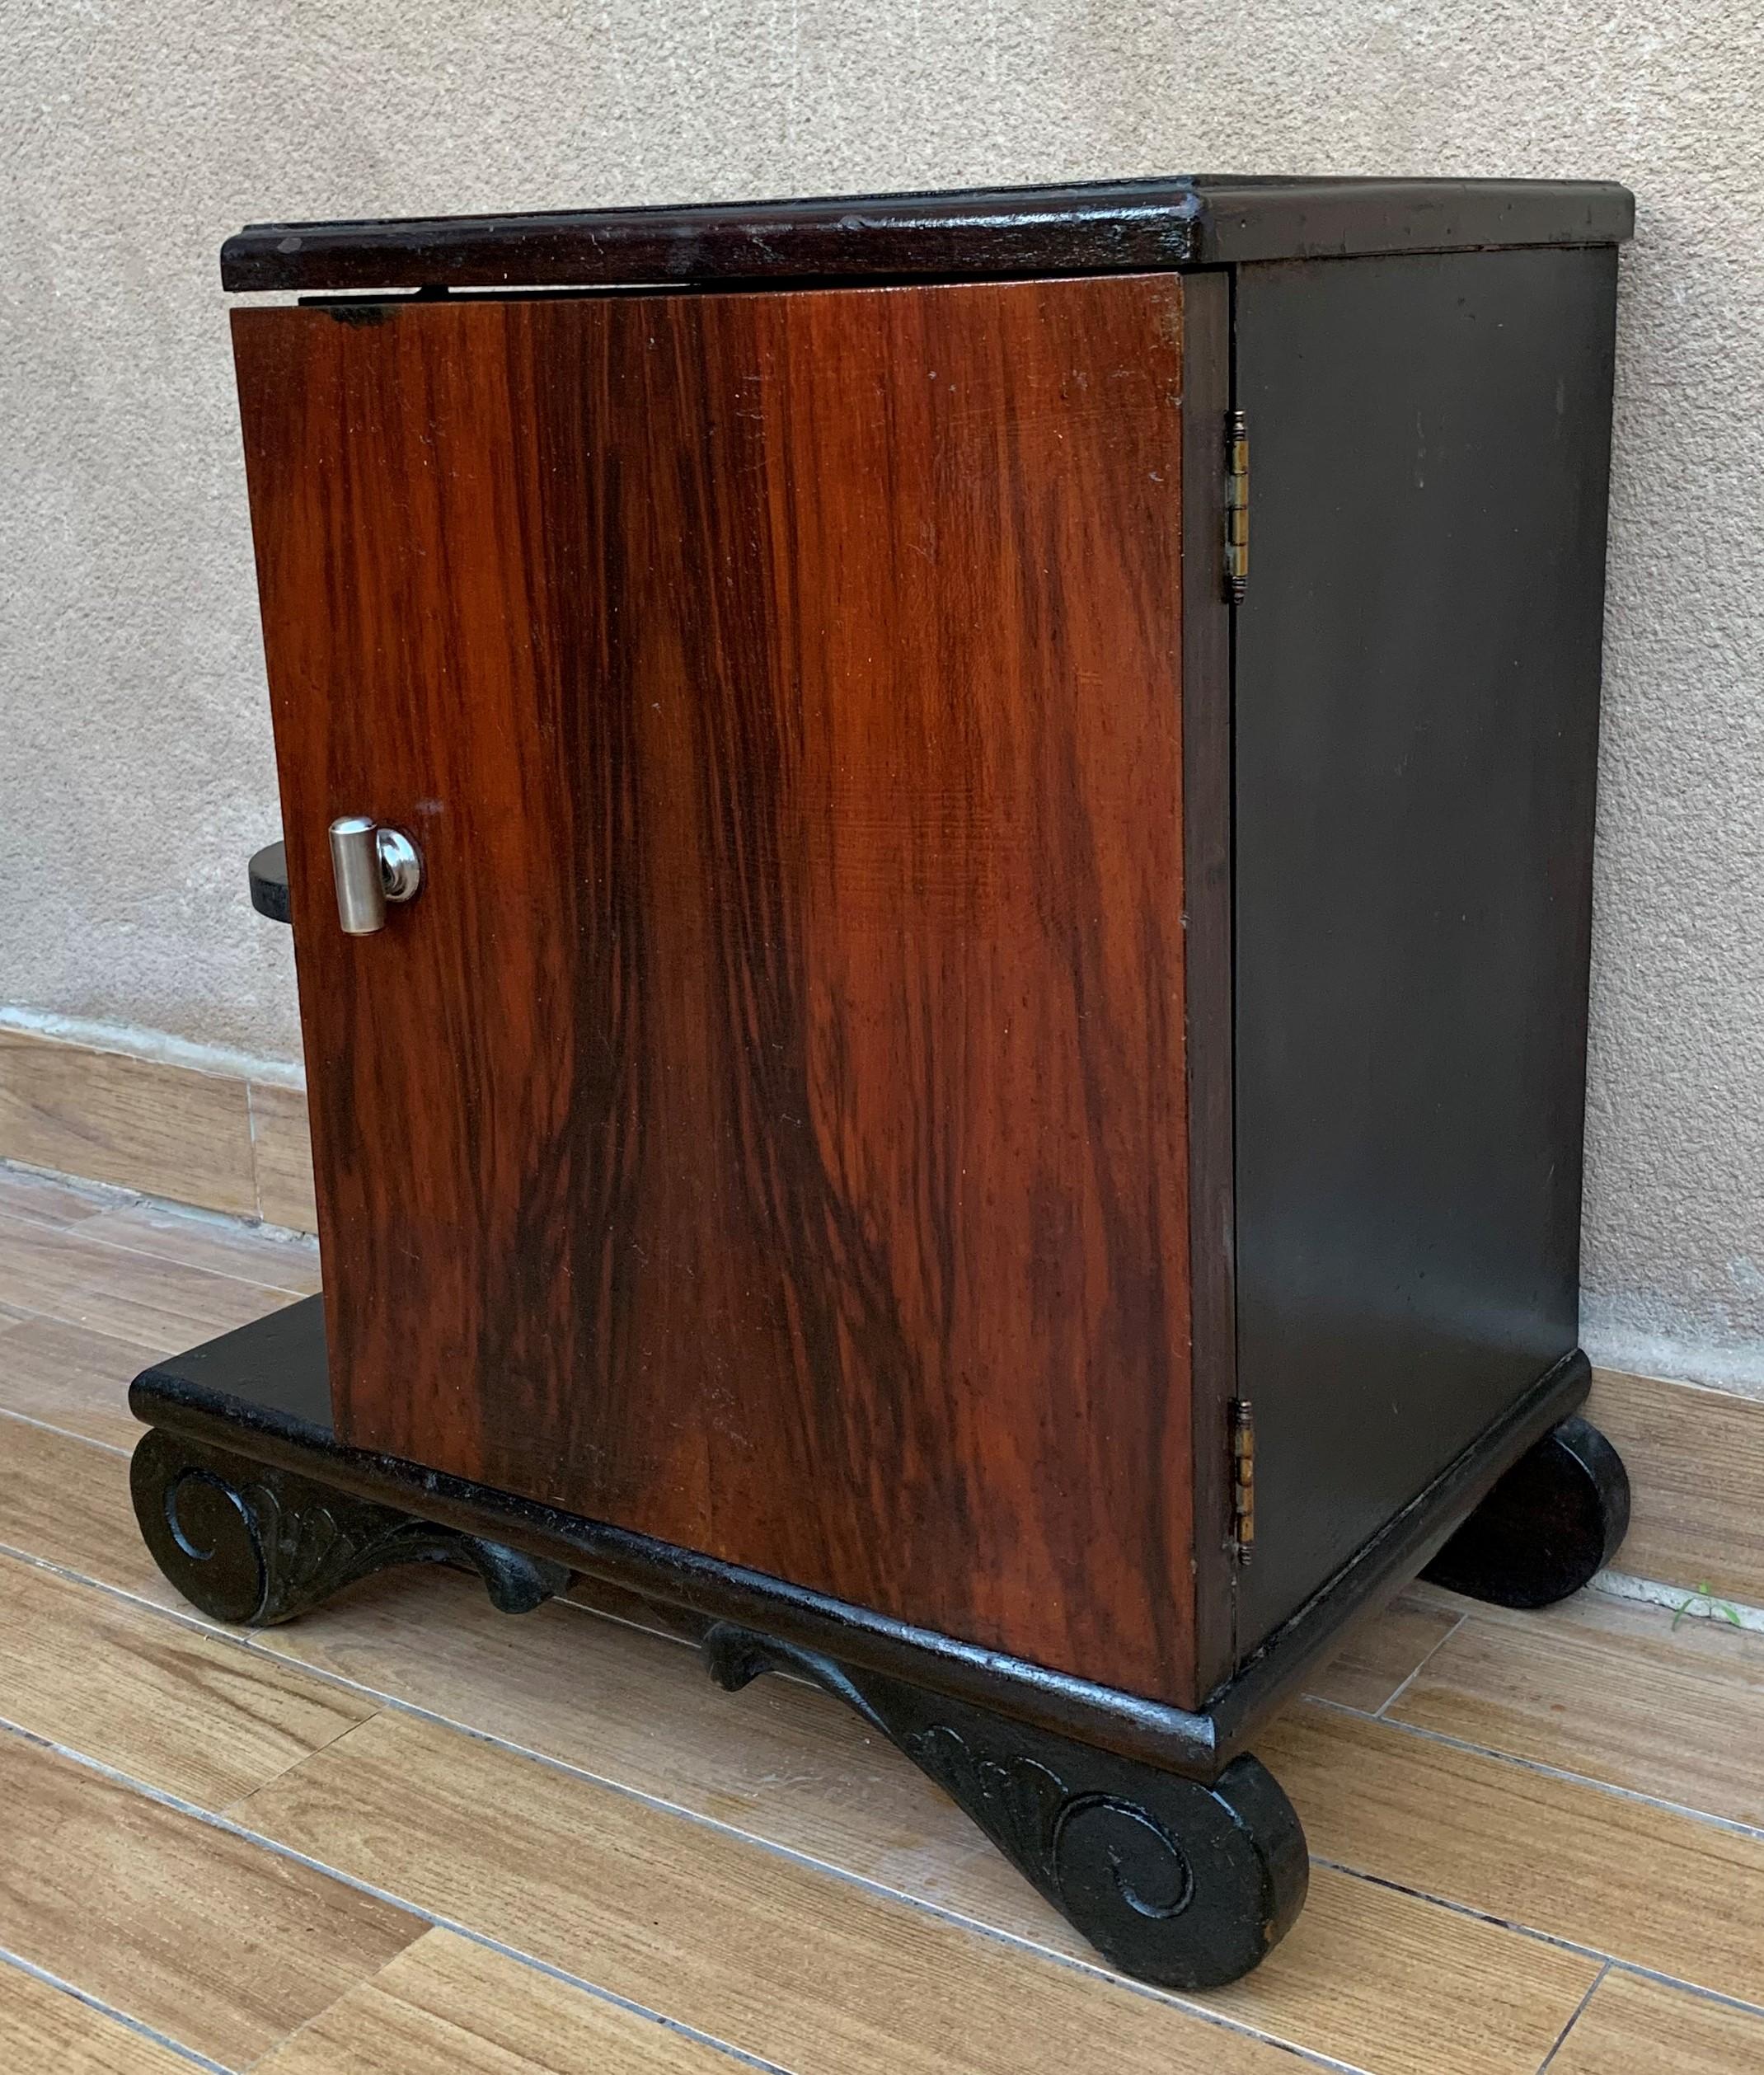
446 2003
1634 2027
72 1378
51 1200
1380 1980
767 1128
131 1297
1387 1983
45 2031
771 1957
1621 1876
1377 1656
210 1940
282 1156
1696 1461
250 1256
194 1715
67 1501
161 1128
1608 1688
105 1118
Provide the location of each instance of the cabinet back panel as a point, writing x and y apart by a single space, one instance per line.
765 1130
1417 713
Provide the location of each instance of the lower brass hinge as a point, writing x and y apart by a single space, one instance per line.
1236 505
1243 1478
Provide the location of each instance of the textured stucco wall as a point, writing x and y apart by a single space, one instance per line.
135 763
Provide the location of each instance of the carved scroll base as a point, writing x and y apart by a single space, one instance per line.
1557 1517
1184 1885
250 1543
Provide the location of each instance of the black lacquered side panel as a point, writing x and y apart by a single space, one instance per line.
259 1393
1418 669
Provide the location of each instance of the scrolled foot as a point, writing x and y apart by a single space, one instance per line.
250 1543
1556 1518
1182 1885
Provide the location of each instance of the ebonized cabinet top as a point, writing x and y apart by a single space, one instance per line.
1111 227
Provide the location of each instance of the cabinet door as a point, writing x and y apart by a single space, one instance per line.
766 1129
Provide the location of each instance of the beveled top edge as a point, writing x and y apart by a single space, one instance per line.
1105 226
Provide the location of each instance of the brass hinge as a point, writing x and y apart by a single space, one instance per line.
1243 1477
1236 505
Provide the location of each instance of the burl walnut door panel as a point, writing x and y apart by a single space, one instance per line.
766 1129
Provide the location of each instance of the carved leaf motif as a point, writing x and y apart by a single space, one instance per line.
254 1543
1016 1801
312 1550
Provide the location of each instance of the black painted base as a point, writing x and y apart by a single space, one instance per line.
1185 1885
1178 1883
247 1543
1151 1828
1553 1521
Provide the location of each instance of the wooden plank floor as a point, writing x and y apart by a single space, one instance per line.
406 1834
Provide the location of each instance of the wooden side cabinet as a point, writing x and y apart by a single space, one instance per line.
939 855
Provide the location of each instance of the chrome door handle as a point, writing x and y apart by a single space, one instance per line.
372 866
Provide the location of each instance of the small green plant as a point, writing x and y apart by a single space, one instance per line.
1703 1601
